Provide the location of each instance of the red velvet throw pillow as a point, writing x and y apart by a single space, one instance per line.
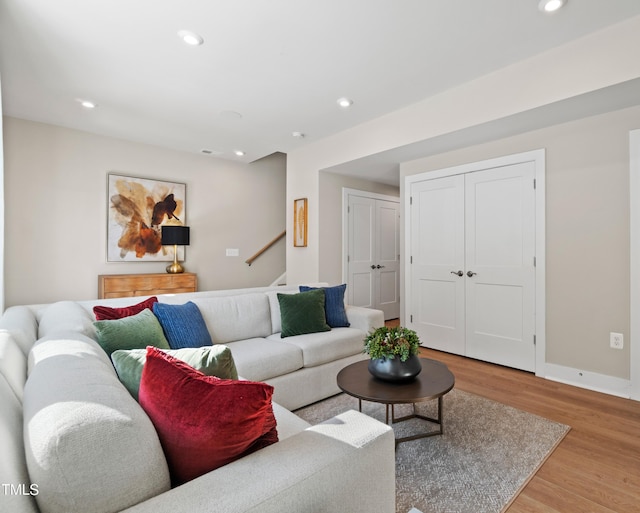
106 313
203 422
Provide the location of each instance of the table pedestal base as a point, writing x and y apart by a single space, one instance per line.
413 415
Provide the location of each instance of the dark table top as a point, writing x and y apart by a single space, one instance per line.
434 381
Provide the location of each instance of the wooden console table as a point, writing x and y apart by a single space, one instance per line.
125 285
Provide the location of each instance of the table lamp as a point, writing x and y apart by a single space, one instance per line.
176 236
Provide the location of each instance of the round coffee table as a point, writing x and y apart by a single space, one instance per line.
433 382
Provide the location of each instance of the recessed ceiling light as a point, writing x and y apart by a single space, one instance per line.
551 5
190 38
87 104
345 102
239 153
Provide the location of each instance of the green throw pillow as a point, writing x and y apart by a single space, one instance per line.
302 313
134 332
210 360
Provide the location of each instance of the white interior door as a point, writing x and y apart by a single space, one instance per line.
500 249
361 251
373 253
387 250
472 264
437 263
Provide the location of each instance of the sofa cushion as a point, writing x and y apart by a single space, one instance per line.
259 359
274 307
13 467
302 313
210 360
63 317
204 422
13 363
89 446
104 313
238 317
134 332
333 305
183 325
319 348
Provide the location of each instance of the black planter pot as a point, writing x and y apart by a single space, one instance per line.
394 370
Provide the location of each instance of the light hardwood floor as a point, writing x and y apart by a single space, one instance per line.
596 468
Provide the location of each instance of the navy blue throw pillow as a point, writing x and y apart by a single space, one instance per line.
183 325
333 305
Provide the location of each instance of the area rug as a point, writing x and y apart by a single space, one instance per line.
487 454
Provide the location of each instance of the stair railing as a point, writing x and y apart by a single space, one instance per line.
250 260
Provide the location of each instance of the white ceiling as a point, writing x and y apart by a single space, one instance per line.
267 67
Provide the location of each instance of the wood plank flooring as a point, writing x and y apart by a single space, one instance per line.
596 468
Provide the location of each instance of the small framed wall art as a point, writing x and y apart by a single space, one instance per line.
300 223
137 208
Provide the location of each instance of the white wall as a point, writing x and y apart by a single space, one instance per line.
56 212
587 233
331 216
1 207
597 61
634 278
587 188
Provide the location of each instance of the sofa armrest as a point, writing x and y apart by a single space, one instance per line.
344 464
365 319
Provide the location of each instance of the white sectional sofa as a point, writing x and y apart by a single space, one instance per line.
73 439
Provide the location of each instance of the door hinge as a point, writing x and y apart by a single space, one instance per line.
348 209
348 258
411 317
534 340
410 200
534 261
411 259
534 183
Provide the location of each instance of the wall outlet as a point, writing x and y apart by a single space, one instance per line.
233 252
616 340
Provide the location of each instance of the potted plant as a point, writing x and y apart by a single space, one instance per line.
394 353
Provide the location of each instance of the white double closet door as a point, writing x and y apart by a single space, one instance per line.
473 264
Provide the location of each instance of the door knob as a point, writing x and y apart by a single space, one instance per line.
459 273
373 267
471 274
379 266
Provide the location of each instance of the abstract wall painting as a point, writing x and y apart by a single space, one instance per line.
300 223
137 208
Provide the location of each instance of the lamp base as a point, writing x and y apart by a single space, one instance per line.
175 268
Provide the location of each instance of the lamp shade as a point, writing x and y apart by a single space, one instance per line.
178 235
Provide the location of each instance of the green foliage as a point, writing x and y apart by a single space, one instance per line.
391 342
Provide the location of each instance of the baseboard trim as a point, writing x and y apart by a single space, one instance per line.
589 380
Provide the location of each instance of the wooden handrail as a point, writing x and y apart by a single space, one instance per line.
266 247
